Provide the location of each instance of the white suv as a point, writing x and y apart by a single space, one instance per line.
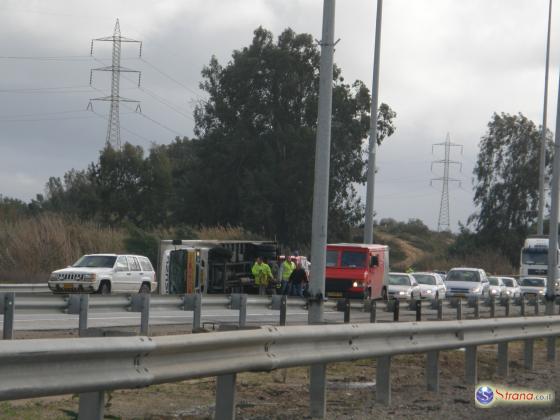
105 273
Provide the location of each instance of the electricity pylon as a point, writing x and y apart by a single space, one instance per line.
443 219
114 129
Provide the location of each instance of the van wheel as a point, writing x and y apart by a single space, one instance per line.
384 294
145 288
104 289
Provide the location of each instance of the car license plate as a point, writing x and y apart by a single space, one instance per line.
68 286
531 295
334 294
460 295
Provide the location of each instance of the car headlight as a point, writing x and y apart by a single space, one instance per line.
402 293
475 289
355 284
541 292
493 291
428 291
53 277
508 292
89 277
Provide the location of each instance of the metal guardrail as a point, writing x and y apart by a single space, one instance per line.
91 366
82 304
25 288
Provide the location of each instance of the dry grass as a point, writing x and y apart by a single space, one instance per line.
38 245
225 233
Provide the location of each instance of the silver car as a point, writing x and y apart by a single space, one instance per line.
431 285
401 286
513 290
469 283
496 288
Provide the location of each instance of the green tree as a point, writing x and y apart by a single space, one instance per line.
507 177
255 155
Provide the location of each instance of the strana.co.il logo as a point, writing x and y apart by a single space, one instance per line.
484 395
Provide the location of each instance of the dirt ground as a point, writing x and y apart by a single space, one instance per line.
350 394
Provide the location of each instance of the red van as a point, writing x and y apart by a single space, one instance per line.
356 270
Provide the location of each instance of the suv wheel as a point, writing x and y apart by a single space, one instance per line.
145 288
105 288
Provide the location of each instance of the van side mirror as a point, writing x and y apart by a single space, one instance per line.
374 262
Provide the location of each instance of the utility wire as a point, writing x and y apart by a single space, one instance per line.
124 128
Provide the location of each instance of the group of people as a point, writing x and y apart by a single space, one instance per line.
288 278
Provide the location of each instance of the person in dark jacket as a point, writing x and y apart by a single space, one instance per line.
298 279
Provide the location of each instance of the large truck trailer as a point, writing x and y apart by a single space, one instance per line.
210 266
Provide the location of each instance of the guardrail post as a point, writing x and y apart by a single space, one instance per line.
459 309
141 303
396 310
92 406
432 370
503 359
347 311
471 374
383 380
373 312
283 309
522 306
418 310
8 304
537 306
83 317
508 305
242 310
318 390
440 310
225 396
528 353
476 307
193 302
492 307
551 349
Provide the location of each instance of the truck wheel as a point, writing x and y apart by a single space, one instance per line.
145 288
105 288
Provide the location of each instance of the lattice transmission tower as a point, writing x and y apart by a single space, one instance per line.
114 129
443 219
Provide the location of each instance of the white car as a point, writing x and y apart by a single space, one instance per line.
105 274
533 287
400 286
467 282
497 288
431 285
513 290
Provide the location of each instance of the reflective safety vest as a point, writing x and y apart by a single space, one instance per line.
287 268
262 273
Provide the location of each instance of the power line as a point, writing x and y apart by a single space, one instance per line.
123 127
46 58
173 79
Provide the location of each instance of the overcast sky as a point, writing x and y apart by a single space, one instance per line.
446 66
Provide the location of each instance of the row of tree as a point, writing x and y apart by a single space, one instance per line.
252 158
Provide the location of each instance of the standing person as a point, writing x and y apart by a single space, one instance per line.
298 279
263 275
286 270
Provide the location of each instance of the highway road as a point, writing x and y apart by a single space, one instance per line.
25 321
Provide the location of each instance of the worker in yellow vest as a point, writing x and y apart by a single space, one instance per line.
262 274
286 269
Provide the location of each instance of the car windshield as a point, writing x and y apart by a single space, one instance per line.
508 282
535 256
493 281
353 259
399 280
425 279
96 261
332 258
534 282
463 275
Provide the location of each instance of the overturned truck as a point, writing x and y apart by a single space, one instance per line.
210 266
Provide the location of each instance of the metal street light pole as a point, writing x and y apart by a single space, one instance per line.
553 228
542 157
318 373
370 188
